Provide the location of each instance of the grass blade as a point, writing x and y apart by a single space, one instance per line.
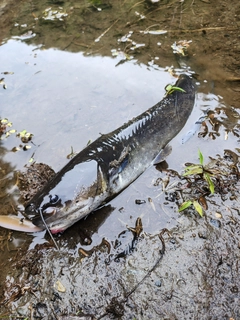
198 207
194 169
209 181
185 205
200 157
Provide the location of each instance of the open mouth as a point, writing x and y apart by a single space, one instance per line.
56 230
51 219
44 218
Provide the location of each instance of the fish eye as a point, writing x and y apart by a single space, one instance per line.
30 208
54 199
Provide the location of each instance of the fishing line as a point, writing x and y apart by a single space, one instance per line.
49 232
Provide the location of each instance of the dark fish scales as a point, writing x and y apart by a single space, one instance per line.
112 162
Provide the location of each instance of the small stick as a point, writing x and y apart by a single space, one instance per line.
203 29
98 39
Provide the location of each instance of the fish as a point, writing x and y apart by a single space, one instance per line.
108 165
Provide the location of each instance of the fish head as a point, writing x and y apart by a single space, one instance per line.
57 216
69 197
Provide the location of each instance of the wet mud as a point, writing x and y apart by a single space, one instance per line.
190 271
137 257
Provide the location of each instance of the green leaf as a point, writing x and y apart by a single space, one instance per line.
178 89
209 181
193 169
198 207
168 87
127 56
200 157
185 205
22 133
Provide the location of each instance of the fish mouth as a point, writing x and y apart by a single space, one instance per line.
48 219
54 219
51 218
58 217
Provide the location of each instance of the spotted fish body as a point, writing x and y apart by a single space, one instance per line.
113 161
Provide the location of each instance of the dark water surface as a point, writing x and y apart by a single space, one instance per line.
81 68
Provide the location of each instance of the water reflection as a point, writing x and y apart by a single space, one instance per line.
73 96
8 187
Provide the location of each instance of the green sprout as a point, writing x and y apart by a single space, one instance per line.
170 89
71 154
196 205
202 170
6 122
4 125
198 169
6 130
25 136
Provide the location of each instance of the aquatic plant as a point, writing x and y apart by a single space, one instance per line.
4 125
194 169
205 173
170 89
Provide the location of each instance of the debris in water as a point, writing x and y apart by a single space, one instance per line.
25 136
137 201
49 14
154 32
3 83
7 72
59 286
181 47
141 16
152 204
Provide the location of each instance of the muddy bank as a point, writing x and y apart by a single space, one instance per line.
190 271
196 277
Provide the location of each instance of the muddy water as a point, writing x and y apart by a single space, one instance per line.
76 70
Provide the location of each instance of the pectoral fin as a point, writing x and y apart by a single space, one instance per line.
162 154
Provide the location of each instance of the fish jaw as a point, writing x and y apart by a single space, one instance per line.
58 219
18 224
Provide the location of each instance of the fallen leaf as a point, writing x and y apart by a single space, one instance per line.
60 287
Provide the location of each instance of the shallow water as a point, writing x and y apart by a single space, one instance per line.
67 88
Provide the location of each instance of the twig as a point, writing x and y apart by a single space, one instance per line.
203 29
135 5
233 79
81 44
96 40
